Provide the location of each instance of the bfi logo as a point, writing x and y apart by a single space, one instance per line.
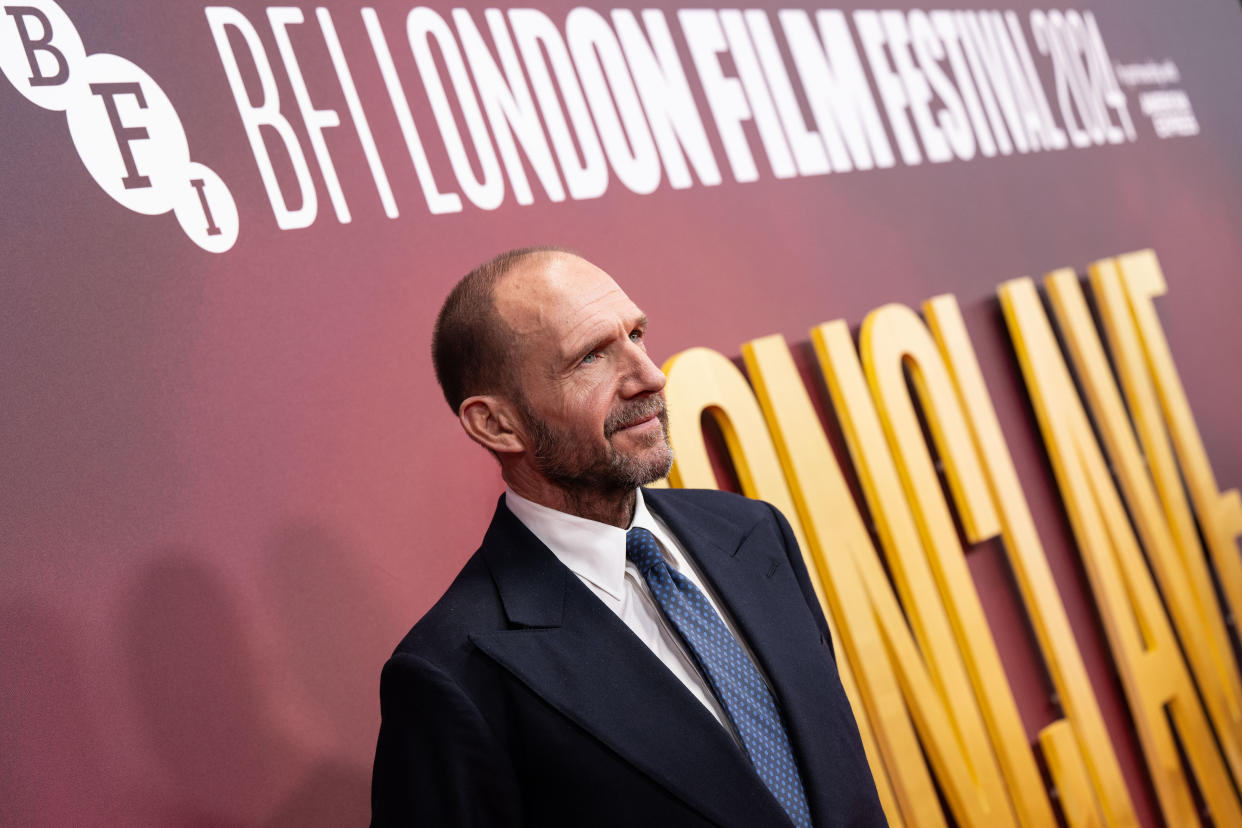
125 129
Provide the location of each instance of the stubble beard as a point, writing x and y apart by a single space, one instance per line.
584 470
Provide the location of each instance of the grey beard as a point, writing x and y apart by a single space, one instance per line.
586 475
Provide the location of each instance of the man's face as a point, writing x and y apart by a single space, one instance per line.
590 397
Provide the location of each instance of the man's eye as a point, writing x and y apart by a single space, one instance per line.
636 336
591 357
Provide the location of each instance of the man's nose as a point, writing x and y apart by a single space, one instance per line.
644 377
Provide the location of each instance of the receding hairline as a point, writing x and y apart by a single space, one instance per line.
519 257
527 260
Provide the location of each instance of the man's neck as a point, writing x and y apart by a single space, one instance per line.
613 508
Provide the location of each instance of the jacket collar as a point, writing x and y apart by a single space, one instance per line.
530 579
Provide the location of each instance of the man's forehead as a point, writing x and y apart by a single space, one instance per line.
557 292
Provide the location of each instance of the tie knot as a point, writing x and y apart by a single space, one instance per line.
641 548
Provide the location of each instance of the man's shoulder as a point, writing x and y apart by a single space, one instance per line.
468 606
711 500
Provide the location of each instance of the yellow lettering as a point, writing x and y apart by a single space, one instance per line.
1181 573
933 676
702 381
893 341
922 674
1149 661
1220 514
1080 740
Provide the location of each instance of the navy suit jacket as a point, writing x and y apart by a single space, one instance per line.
520 699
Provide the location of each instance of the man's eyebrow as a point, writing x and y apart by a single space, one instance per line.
642 321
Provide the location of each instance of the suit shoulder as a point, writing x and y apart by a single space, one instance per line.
469 605
714 500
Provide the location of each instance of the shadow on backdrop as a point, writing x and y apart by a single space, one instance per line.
197 684
52 768
339 628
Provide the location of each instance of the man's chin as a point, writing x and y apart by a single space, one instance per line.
645 453
651 465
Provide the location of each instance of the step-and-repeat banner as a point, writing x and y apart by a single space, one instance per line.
956 288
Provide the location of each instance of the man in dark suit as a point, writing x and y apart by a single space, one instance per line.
611 655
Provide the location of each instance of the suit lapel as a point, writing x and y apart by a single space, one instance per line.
571 650
747 568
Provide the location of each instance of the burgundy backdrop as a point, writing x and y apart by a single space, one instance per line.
230 483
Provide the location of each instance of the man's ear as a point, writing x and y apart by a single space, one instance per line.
492 423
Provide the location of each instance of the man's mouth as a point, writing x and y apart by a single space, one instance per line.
634 416
638 423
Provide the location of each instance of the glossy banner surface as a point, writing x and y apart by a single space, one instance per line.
230 483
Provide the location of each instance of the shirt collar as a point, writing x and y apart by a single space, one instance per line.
594 551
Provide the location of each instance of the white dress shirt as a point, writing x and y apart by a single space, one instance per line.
595 552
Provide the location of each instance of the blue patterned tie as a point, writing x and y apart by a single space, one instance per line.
734 679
